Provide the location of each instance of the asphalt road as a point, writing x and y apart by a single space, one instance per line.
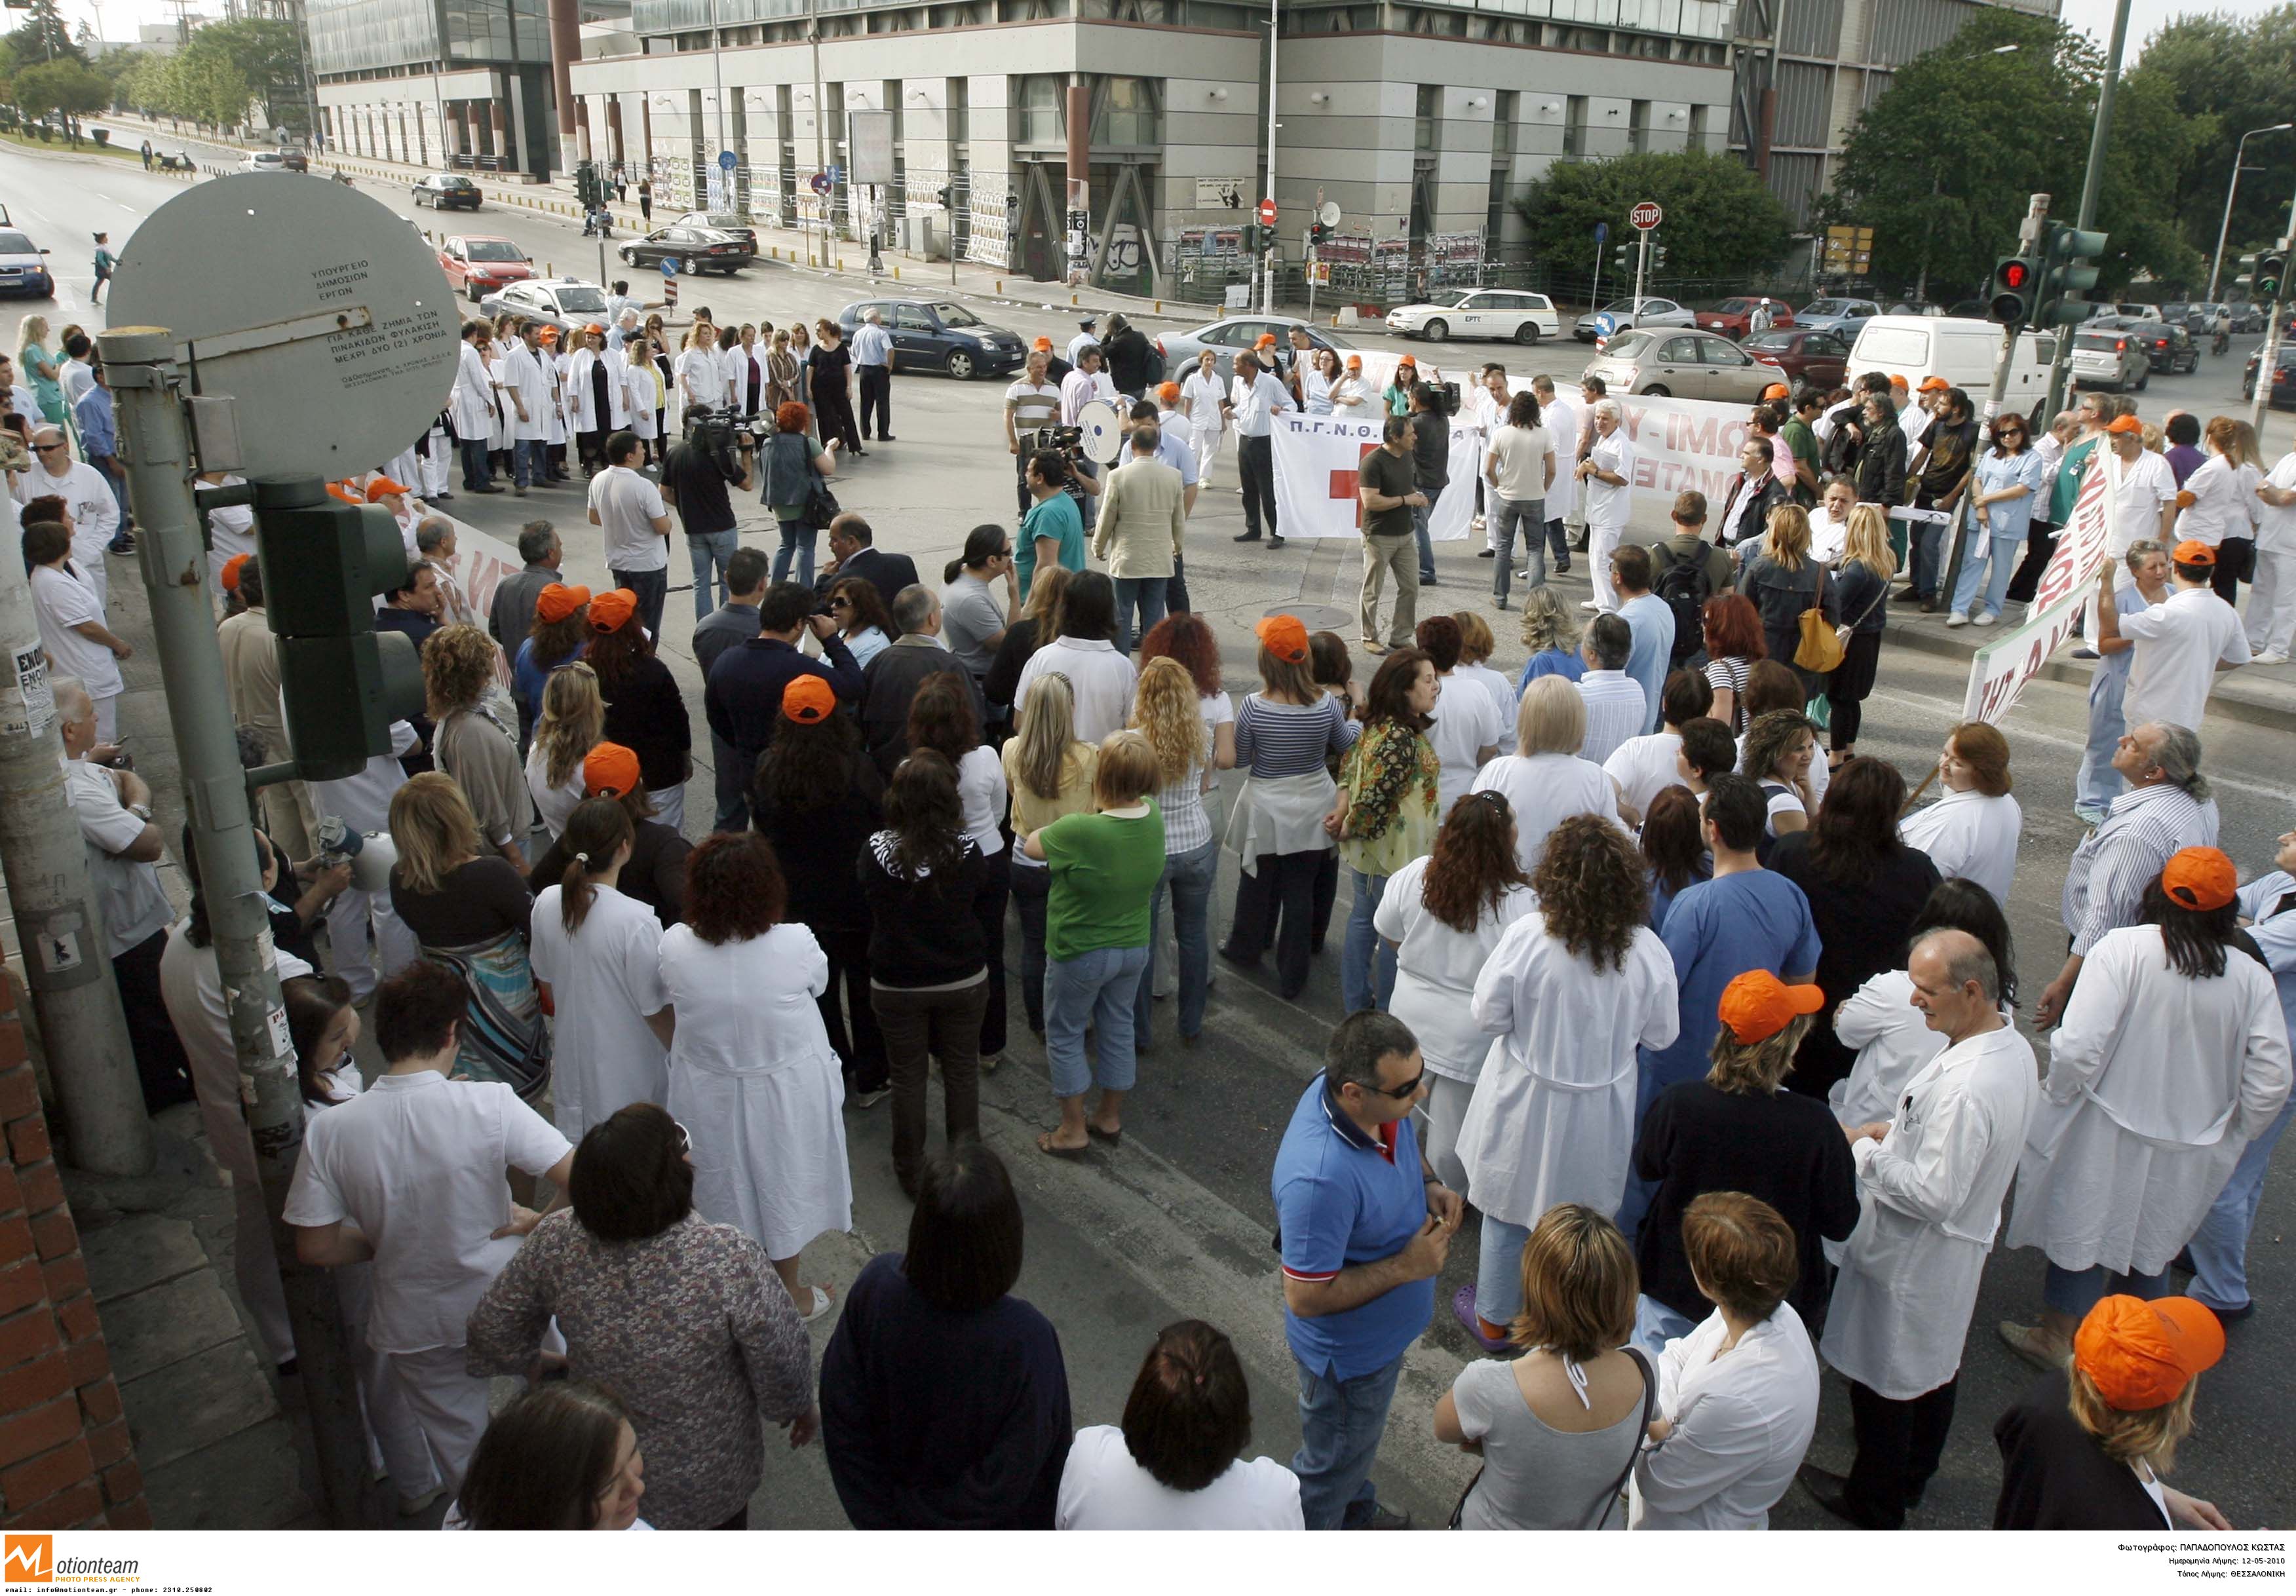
1178 1222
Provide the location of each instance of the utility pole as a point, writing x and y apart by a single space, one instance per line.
1268 290
820 160
2029 240
58 921
2061 365
142 367
2267 359
2240 153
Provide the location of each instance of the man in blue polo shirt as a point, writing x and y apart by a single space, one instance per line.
1365 1226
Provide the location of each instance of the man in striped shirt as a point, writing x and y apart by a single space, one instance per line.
1617 707
2167 807
1033 401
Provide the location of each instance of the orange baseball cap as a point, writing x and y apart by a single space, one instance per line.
2194 551
2125 423
381 484
1777 390
1168 393
595 330
1757 1005
1355 362
231 570
1410 360
808 698
556 602
1899 383
1266 341
1934 385
548 335
611 611
2142 1354
2200 878
609 770
1045 344
346 493
1285 637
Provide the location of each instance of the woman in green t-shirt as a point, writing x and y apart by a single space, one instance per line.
1104 871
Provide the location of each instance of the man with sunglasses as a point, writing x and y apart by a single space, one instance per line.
86 496
1364 1226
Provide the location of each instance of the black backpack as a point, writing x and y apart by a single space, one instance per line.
1684 586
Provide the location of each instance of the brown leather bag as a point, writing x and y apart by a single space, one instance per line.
1819 650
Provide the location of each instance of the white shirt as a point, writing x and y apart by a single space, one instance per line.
128 891
2179 643
1079 388
1608 505
1077 345
1200 393
557 803
1827 537
1436 965
1544 790
699 380
1465 722
1254 403
1742 1420
1617 709
87 499
1969 834
606 978
1645 766
525 376
1101 678
1561 420
76 378
1101 1487
980 788
627 505
1500 689
230 527
1894 1044
62 602
2276 525
2224 502
2141 488
872 345
472 403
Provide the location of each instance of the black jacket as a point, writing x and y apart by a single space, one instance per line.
890 681
1754 513
1881 467
2054 1474
1129 360
887 573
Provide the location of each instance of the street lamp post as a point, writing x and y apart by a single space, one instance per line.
2239 154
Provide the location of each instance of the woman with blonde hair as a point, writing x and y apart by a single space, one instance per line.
36 365
1105 868
1550 631
2219 505
1558 1426
1782 581
1862 590
458 667
1543 780
700 380
1049 774
572 722
641 390
469 910
1168 711
1038 623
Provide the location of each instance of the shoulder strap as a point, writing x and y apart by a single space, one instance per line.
1634 1452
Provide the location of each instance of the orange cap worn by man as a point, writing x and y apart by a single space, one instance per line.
376 487
1285 637
1934 385
231 570
1899 383
2142 1354
2193 551
1168 394
556 602
611 611
2199 879
609 770
1757 1005
2126 423
808 699
1777 390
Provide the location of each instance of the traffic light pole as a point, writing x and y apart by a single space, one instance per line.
140 362
2267 359
2092 182
2029 240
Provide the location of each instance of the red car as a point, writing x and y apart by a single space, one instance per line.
1729 318
478 265
1811 358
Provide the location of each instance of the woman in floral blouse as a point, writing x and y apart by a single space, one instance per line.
1385 814
684 1320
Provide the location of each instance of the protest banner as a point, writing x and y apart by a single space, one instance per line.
1316 461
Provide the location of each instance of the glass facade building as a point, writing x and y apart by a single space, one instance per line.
377 37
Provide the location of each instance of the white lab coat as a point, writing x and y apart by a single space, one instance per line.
699 380
471 404
553 367
1200 398
1561 420
606 978
363 803
1969 834
1894 1044
642 396
1930 1193
582 398
1552 1117
504 431
2156 1086
1742 1421
525 374
753 1077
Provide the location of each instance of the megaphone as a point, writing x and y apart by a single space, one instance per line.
370 854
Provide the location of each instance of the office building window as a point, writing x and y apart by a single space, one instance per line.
1429 108
1574 126
1040 112
1638 126
1503 111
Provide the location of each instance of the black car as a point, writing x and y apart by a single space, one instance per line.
940 335
2283 379
719 221
447 190
695 249
2170 348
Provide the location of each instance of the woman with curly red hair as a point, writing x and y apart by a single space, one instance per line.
794 460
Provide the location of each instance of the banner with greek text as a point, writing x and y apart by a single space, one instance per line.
2000 671
1316 461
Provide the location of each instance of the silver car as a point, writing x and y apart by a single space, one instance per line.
1687 366
1835 315
1230 334
2111 358
1621 315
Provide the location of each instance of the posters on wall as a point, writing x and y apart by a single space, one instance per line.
995 219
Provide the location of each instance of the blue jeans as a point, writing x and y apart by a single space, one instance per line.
478 471
1656 1324
1498 1272
1190 876
2097 783
1928 544
2220 1248
530 460
2076 1291
1558 543
710 552
1426 546
2004 552
1142 595
797 543
1341 1422
1095 989
1504 516
1359 987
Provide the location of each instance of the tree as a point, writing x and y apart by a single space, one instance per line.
267 57
2239 75
45 37
1722 220
69 86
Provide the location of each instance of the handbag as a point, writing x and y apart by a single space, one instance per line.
1842 633
1819 650
821 506
1634 1455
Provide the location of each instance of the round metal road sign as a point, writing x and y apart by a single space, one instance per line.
1646 214
1268 213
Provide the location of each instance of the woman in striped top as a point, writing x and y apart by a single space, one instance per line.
1282 735
1167 711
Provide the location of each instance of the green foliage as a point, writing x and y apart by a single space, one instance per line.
1721 219
45 37
69 86
2239 75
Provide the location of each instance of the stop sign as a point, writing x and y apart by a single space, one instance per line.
1646 214
1268 213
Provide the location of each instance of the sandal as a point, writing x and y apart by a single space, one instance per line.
821 1301
1114 1138
1044 1145
1462 1308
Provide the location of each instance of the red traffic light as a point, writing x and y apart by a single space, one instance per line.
2016 274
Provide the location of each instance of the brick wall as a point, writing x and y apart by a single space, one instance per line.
65 1460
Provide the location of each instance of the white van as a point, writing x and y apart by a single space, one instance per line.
1962 351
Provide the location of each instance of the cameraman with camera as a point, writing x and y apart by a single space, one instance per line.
696 477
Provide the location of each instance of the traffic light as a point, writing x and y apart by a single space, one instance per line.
2065 276
587 189
1317 232
2271 273
1250 238
324 563
2014 279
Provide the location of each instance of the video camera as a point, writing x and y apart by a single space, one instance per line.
720 435
1067 442
1447 397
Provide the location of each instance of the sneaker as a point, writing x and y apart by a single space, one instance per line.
1500 599
2084 653
1274 540
1487 553
1956 619
1429 582
2275 658
869 1098
1476 525
1988 619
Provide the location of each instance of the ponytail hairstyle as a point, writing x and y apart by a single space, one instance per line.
597 830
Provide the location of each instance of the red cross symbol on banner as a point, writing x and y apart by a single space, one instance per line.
1347 485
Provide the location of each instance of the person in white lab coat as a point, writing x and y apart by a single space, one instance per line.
533 396
1929 1180
230 527
1200 394
1560 416
751 1071
87 499
597 953
1571 992
595 404
1468 724
366 935
470 408
642 393
1737 1396
1973 830
2172 1056
554 367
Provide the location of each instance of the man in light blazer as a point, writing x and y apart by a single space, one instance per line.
1143 521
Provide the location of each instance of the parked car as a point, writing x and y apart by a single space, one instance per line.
940 335
2283 379
1812 359
1731 317
1836 315
477 264
1229 334
565 303
265 161
1688 365
2169 347
1479 313
447 190
720 221
2142 313
694 249
2111 359
1621 315
2247 318
24 267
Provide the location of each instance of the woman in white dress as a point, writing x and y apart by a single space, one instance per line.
1973 830
641 394
700 381
572 722
1467 725
1202 393
2219 502
1570 993
2172 1056
752 1076
597 957
1545 780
